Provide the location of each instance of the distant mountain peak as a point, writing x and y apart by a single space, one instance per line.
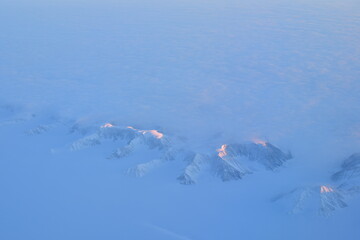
350 169
322 199
230 161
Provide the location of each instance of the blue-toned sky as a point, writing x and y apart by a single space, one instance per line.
284 71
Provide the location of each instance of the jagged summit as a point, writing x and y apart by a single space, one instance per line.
229 162
152 138
264 153
129 139
234 161
350 169
196 163
229 169
348 177
323 199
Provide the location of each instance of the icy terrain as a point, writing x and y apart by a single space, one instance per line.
179 119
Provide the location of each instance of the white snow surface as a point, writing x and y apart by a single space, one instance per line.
179 119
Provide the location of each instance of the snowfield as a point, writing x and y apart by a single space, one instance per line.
179 120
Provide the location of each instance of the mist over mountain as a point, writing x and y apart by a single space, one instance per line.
179 120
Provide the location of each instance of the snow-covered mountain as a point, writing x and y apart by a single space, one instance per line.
179 120
228 162
232 162
320 199
325 199
350 169
348 177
